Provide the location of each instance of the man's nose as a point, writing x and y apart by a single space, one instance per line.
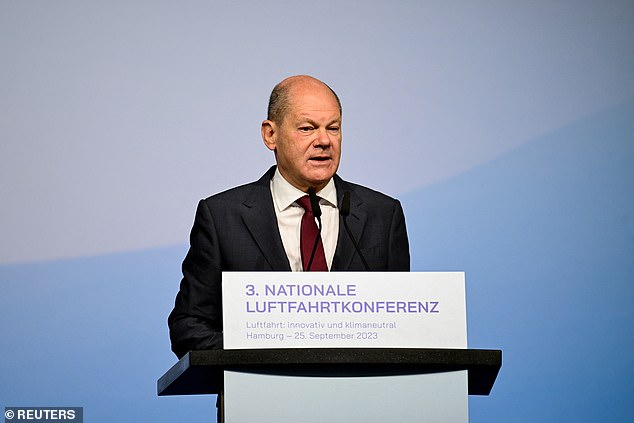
322 139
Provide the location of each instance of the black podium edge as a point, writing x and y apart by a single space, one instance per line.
201 372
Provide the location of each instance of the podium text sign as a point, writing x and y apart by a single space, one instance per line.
344 310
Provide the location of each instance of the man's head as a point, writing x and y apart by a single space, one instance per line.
303 129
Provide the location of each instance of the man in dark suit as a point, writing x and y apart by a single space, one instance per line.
256 227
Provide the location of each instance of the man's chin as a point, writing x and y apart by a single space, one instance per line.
318 182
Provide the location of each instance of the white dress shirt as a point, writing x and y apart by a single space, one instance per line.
289 218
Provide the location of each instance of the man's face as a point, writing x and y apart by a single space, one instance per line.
307 143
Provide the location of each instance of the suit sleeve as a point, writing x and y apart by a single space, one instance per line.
398 259
196 320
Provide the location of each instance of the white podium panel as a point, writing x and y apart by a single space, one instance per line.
336 310
432 397
344 310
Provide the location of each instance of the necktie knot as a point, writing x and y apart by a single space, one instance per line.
304 203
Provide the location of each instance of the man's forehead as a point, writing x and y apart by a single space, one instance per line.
313 101
321 112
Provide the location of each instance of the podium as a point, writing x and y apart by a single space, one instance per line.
337 384
340 347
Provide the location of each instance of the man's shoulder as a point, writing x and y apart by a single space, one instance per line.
235 193
363 192
242 193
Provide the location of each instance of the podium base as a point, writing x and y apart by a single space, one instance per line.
429 397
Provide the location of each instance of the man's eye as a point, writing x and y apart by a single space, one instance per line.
306 128
334 129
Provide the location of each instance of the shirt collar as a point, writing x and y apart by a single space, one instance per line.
286 194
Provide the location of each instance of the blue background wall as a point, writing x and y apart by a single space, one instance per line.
505 129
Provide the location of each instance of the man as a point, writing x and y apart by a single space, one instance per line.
258 226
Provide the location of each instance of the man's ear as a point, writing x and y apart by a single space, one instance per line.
269 134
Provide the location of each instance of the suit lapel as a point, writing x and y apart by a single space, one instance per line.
345 250
260 220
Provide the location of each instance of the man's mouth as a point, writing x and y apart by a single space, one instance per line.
320 158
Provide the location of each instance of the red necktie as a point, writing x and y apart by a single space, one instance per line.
307 239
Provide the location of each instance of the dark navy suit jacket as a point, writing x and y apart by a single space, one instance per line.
237 231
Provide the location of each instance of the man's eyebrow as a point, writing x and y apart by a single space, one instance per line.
306 119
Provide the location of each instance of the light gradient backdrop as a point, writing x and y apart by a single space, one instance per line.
506 128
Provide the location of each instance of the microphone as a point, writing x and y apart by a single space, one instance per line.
314 204
345 211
